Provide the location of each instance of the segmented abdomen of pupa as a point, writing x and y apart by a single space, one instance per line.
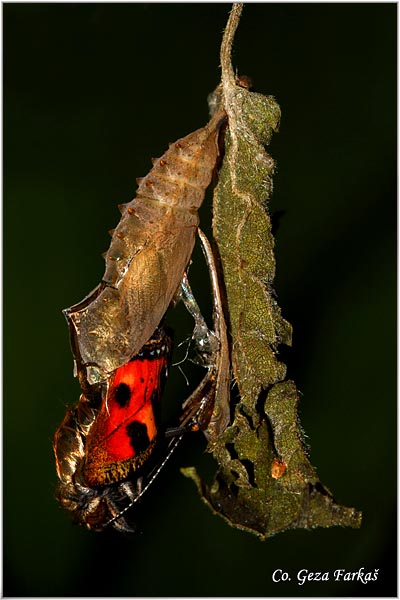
149 252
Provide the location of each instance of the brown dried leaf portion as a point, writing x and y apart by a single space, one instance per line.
149 251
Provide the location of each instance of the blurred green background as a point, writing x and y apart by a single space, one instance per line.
91 92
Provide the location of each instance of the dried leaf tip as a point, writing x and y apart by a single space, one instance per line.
228 76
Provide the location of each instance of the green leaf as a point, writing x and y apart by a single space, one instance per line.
265 482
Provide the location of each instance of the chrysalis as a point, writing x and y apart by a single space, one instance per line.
149 252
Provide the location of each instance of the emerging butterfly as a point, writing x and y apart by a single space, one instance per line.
104 443
112 445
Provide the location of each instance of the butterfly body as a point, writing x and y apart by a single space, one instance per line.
104 449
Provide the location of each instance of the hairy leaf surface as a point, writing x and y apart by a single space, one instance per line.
265 482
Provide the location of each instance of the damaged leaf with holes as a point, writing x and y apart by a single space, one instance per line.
265 482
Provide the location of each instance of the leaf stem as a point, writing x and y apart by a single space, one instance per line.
228 76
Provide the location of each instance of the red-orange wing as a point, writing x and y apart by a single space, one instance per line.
124 433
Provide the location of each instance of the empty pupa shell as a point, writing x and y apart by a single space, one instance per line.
149 252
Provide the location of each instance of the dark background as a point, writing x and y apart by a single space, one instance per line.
91 92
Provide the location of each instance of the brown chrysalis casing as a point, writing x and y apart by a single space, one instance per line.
149 252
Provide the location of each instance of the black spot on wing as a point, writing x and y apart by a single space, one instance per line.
122 395
138 436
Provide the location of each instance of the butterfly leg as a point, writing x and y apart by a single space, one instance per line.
207 408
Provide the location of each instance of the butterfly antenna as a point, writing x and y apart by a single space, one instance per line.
153 474
184 375
188 341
